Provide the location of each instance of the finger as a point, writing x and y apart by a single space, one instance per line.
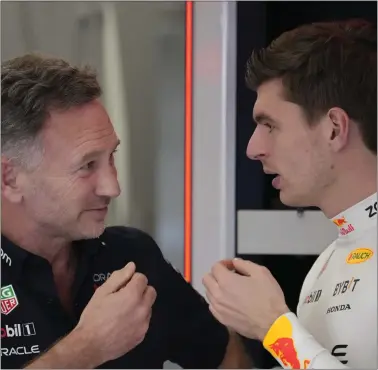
228 264
149 296
220 272
212 300
243 267
210 283
118 279
138 284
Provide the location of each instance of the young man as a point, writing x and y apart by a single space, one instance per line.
76 295
316 118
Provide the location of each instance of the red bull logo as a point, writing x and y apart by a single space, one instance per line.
346 230
281 345
284 349
339 222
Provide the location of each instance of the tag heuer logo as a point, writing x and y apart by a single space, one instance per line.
9 299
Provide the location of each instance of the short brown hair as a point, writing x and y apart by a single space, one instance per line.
323 65
31 87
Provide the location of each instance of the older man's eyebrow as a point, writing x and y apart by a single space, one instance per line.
96 153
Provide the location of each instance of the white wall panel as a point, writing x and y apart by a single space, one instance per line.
283 232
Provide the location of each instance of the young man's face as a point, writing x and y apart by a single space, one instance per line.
287 146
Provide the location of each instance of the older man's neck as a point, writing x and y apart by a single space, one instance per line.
29 236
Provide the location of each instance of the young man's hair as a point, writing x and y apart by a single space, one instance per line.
325 65
32 86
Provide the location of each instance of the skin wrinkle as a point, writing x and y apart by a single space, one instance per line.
61 194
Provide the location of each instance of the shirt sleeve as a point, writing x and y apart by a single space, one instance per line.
295 348
196 338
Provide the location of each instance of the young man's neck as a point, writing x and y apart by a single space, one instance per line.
354 184
30 236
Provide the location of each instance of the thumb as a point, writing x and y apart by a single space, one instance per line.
118 279
243 267
229 264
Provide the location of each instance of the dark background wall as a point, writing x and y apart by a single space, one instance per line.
258 24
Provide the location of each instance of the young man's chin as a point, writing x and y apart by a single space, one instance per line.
291 198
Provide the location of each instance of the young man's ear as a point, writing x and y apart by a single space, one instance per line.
10 189
338 128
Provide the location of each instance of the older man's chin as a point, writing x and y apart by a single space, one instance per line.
92 231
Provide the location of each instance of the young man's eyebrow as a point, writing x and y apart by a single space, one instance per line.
262 117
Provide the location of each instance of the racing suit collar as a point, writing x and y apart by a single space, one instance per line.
359 217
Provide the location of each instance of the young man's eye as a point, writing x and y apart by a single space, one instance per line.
269 126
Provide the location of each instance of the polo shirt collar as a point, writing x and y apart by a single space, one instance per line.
13 257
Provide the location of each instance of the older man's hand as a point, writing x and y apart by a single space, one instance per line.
245 297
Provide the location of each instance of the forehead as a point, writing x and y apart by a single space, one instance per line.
79 129
271 103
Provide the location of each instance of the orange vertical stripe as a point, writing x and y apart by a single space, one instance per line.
188 141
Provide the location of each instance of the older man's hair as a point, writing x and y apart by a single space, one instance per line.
32 86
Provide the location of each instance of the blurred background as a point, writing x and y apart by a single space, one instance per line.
138 49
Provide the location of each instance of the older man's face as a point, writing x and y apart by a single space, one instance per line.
70 190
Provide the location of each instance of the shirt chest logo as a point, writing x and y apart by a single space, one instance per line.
344 226
20 351
359 255
5 258
9 299
99 279
313 296
345 286
18 330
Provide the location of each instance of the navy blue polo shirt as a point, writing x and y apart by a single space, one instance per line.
182 329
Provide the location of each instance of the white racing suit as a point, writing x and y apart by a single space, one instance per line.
336 322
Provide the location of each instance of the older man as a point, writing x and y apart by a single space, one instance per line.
74 294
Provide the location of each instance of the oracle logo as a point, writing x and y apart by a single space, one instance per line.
20 351
98 278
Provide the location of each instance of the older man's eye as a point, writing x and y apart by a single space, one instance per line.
88 166
111 158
